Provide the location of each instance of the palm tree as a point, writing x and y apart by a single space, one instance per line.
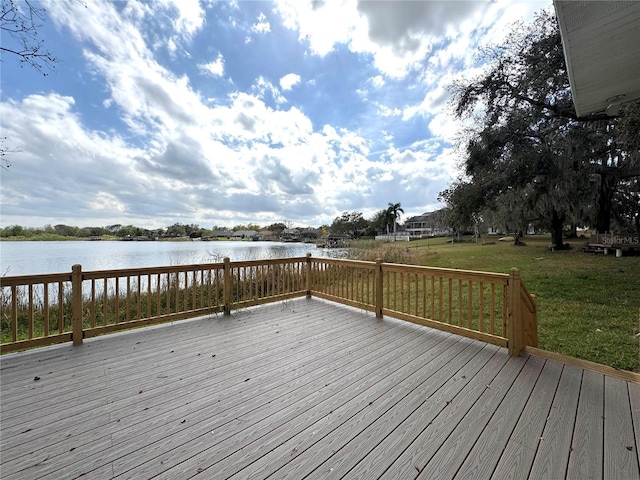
393 211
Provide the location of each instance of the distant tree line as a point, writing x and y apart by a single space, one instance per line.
352 224
177 230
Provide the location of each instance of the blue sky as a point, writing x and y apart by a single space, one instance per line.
226 113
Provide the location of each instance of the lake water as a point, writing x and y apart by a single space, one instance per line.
26 258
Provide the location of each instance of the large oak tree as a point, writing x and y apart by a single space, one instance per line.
528 146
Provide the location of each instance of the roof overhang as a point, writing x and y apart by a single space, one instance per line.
601 41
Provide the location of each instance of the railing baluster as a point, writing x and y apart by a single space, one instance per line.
60 307
158 293
504 310
433 297
185 297
14 313
459 302
92 308
30 320
470 305
117 308
402 293
416 293
46 309
450 298
127 314
481 307
149 290
105 306
440 298
197 290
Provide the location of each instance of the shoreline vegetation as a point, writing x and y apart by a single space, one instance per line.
588 306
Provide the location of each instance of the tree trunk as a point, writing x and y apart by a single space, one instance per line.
605 197
557 222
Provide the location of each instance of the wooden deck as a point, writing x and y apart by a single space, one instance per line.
309 389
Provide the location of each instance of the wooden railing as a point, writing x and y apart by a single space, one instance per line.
46 309
474 304
349 282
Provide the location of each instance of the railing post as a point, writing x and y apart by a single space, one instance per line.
76 303
227 286
379 283
514 334
308 274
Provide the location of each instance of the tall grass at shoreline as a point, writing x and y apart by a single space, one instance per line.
98 310
125 300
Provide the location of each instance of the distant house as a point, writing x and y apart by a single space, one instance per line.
221 233
290 235
243 234
337 240
429 224
309 234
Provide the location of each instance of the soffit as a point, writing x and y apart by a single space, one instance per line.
601 41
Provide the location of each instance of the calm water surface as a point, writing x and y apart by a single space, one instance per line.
26 258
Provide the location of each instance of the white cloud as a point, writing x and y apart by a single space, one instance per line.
262 25
107 202
215 68
264 89
401 35
189 18
385 111
289 81
377 81
322 24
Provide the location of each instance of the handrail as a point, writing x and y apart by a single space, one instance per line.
51 308
18 280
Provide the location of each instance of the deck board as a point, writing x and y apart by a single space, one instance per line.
555 442
522 445
308 389
585 460
485 454
620 451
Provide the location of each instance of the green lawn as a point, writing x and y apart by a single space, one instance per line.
588 304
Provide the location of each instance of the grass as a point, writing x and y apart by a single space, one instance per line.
588 304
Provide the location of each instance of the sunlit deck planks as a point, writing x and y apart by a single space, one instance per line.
309 389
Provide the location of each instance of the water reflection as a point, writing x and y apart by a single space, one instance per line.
25 258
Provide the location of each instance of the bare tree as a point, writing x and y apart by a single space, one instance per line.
20 21
4 154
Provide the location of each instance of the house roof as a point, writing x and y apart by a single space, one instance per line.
601 46
245 233
221 233
418 218
426 217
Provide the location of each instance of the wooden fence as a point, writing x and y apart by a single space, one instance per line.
45 309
